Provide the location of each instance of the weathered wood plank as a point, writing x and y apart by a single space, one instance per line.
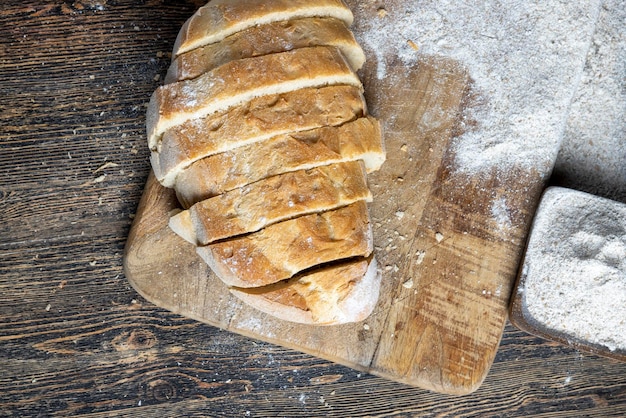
95 352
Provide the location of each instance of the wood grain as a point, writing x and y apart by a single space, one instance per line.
102 350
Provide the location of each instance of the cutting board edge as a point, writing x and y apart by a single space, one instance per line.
406 380
154 197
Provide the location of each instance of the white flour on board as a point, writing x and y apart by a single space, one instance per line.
575 268
525 60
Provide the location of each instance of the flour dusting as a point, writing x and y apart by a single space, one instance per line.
575 268
500 213
593 153
525 60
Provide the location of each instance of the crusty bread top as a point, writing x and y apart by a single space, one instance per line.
357 140
337 294
268 39
255 206
220 18
256 120
280 251
242 80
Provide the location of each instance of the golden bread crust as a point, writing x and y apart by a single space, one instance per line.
261 118
221 18
268 39
356 140
275 199
239 81
280 251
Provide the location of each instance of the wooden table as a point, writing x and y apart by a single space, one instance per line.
75 339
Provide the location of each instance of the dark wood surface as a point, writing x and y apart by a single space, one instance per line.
75 339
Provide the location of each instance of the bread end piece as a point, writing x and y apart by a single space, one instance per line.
334 295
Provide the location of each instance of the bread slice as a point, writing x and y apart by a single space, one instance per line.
280 251
272 200
220 18
337 294
239 81
259 119
357 140
268 39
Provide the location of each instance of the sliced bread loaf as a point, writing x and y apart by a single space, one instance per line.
239 81
357 140
257 205
280 251
256 120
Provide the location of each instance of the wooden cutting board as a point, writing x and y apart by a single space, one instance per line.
447 265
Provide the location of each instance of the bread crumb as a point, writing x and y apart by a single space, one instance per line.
408 284
404 148
48 307
413 45
382 12
100 179
439 236
366 327
420 257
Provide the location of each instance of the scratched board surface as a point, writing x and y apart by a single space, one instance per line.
448 260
